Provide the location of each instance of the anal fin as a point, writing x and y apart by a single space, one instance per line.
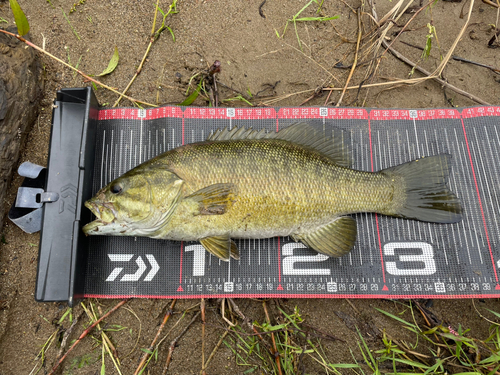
221 246
334 240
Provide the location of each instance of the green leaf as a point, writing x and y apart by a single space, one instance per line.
22 23
494 358
451 336
171 32
191 98
112 64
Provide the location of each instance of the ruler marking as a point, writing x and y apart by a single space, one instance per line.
121 153
164 140
131 149
106 166
452 187
114 169
102 160
376 216
279 260
429 224
148 148
412 157
367 233
259 252
387 164
484 172
140 142
356 162
418 155
473 221
463 165
399 160
480 204
383 219
111 156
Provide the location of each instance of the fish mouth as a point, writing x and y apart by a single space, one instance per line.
105 214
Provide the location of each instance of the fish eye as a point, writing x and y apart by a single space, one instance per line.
116 189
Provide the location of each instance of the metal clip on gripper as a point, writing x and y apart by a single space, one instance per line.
26 211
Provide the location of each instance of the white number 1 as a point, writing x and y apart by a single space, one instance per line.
199 259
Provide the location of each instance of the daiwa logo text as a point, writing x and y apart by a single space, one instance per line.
141 267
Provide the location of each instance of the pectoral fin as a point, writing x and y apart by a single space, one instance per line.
214 199
335 239
221 246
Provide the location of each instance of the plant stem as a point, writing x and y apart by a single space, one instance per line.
358 41
86 332
151 347
74 69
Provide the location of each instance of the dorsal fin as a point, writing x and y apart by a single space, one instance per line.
237 133
335 147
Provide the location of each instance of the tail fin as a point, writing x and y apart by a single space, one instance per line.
426 196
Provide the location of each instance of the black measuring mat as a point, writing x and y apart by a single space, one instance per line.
393 257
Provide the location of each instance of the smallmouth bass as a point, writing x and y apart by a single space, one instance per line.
242 183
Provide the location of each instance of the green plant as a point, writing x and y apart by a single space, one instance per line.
21 21
238 97
296 19
172 9
279 348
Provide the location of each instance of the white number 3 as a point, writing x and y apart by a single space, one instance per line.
426 257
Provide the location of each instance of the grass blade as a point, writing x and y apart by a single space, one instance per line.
396 318
320 19
191 98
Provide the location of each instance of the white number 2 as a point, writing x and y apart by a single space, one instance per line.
289 260
426 257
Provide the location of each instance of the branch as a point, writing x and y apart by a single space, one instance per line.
74 69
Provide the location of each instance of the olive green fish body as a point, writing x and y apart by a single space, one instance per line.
282 189
246 184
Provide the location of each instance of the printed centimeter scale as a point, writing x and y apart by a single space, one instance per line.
305 279
399 264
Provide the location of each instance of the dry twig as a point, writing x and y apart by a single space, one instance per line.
174 342
74 69
354 63
151 347
202 308
275 352
428 75
66 335
152 38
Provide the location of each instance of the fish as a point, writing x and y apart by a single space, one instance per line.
246 184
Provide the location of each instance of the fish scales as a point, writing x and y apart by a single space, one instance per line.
302 188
